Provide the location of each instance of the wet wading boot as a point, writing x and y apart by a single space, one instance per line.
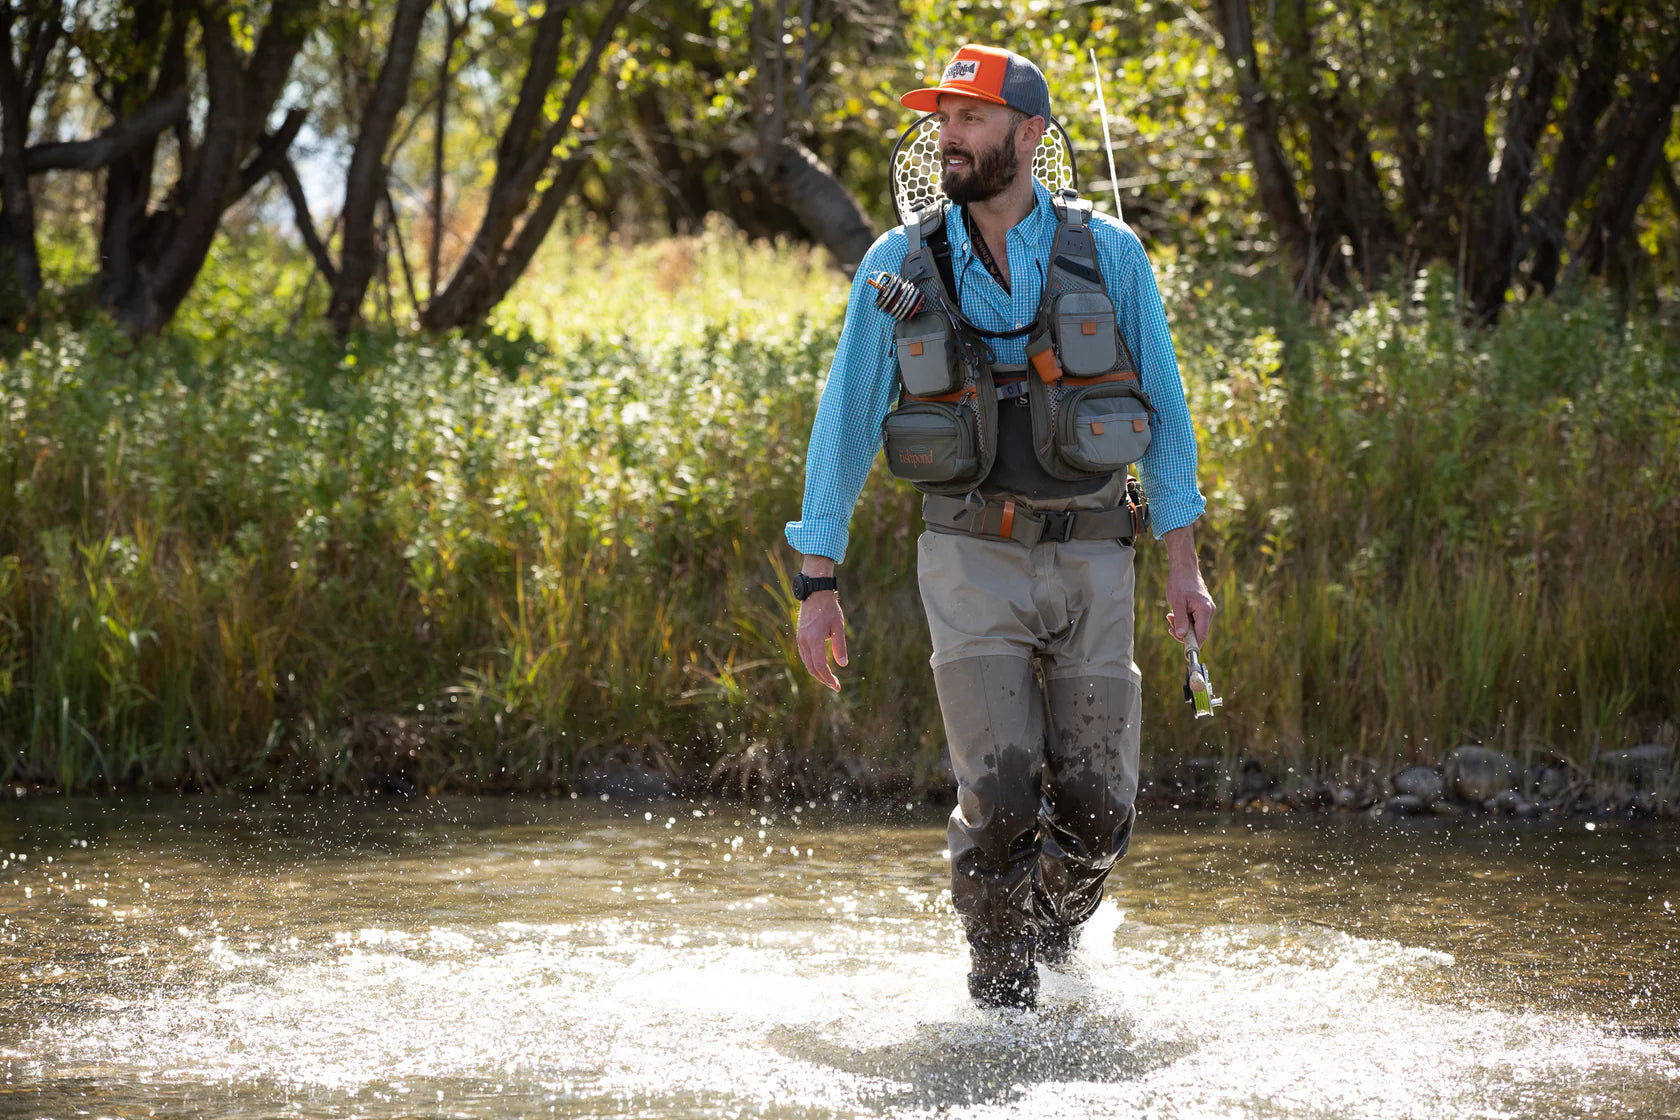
1007 989
1056 943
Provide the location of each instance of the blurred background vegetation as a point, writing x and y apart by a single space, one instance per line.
411 392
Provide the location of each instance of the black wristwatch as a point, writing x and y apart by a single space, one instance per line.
804 586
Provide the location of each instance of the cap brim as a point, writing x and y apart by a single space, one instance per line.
927 100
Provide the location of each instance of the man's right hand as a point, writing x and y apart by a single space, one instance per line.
821 621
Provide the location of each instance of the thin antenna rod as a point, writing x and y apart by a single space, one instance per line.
1108 141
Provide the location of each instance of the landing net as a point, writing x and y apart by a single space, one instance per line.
916 173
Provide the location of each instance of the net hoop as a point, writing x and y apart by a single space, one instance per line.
916 173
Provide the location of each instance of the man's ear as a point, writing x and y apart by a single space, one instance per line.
1027 137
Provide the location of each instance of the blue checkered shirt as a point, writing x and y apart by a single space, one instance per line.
863 381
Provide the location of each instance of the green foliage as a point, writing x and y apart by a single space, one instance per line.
1423 534
1168 91
248 557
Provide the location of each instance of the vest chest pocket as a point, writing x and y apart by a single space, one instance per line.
927 361
1086 335
931 442
1103 427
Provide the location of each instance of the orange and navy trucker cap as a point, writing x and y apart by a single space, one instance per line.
990 74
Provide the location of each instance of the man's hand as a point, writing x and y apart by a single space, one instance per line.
1188 601
821 621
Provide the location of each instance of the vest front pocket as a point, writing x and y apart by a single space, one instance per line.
931 442
1103 427
927 360
1088 339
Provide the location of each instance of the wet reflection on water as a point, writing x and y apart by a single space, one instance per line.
489 958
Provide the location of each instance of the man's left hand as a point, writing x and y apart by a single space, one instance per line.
1188 601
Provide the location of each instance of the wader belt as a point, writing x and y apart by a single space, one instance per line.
1011 521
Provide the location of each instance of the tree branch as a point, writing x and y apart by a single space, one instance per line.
364 181
43 37
530 169
402 250
272 151
112 144
463 299
305 221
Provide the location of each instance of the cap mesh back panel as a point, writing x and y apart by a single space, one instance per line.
916 173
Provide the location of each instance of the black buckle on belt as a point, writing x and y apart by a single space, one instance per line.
1058 525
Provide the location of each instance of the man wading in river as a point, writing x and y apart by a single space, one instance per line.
1017 410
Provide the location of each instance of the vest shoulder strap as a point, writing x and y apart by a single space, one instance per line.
924 224
1073 254
940 245
927 239
1070 208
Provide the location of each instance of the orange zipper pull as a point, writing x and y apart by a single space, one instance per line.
1042 356
1049 369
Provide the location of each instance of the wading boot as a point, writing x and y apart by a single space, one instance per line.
1007 989
1056 943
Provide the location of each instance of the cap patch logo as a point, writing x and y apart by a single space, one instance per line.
962 70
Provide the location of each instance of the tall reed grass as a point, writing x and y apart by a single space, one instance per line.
239 556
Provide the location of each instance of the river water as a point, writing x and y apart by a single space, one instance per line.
461 957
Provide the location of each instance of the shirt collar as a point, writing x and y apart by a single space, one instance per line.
1030 228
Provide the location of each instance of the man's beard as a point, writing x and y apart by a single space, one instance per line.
987 177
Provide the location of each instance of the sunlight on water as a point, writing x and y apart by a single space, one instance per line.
562 967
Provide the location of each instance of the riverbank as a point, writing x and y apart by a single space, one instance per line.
1637 783
234 558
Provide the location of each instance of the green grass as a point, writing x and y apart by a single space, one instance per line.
240 557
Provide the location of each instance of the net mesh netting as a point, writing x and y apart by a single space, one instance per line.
916 174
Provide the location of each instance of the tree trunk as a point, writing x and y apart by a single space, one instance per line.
1456 160
1639 152
797 179
365 180
20 262
1595 88
1493 263
440 123
522 156
824 206
1272 171
532 233
178 239
682 186
128 177
150 260
21 75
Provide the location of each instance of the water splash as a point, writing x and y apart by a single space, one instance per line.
827 985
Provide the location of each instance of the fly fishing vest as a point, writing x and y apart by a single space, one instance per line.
1062 426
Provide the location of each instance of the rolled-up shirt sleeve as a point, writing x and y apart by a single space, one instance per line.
1167 470
861 387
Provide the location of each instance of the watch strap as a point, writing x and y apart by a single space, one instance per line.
805 586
